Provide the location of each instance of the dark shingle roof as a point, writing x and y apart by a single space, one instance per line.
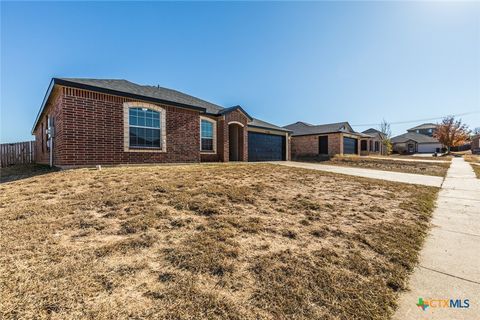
371 130
423 126
262 124
374 133
120 86
300 128
417 137
147 91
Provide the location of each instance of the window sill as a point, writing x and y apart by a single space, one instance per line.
208 152
144 149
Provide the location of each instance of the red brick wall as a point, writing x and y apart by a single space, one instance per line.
92 132
307 146
223 147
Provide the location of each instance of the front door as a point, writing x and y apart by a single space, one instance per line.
323 145
235 142
411 148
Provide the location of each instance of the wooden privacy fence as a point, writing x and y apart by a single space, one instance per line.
17 153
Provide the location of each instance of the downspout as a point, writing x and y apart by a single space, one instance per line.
50 132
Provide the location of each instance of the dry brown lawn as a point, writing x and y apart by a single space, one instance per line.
476 168
472 158
17 172
444 157
426 168
475 162
216 241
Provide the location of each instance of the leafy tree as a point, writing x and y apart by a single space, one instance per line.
386 135
451 132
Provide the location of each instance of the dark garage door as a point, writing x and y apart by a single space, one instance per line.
265 147
349 146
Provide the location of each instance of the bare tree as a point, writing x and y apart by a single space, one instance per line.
476 130
385 128
386 135
451 132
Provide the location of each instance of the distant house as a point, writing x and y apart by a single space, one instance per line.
102 121
310 141
475 145
418 139
426 129
375 143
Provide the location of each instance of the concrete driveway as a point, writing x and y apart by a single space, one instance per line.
369 173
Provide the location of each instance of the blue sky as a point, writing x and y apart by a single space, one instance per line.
316 62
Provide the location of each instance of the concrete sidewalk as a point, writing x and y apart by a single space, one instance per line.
369 173
449 266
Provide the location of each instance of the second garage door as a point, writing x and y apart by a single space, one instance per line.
349 146
265 147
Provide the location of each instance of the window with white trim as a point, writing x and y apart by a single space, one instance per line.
144 128
206 135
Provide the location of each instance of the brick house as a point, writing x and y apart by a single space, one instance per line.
311 141
84 122
373 144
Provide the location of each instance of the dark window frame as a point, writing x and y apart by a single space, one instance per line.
145 128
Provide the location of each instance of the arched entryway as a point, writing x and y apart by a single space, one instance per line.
235 141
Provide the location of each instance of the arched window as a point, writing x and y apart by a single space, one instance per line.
144 128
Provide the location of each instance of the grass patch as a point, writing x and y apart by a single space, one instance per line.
476 169
18 172
474 162
426 168
227 241
440 157
472 158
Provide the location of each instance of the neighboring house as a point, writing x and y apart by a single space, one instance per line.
427 129
332 139
475 145
412 142
96 121
374 145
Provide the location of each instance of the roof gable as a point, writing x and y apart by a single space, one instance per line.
231 109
